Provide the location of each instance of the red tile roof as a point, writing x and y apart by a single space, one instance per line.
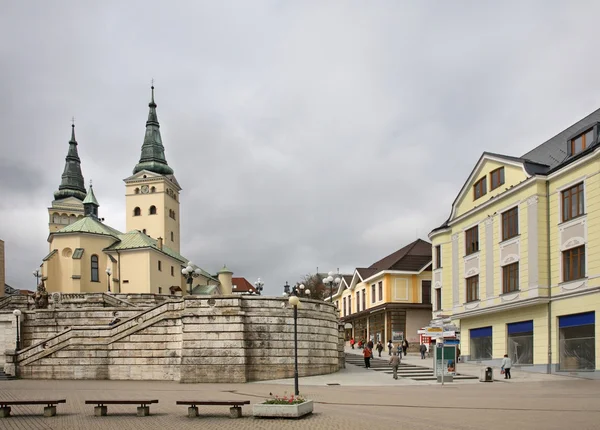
241 285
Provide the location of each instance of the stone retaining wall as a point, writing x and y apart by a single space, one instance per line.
192 339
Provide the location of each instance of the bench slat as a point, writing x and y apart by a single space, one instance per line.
119 402
31 402
214 402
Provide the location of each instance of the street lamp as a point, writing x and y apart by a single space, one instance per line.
330 282
17 314
37 275
259 286
294 300
190 273
108 273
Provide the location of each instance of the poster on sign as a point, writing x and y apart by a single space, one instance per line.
397 336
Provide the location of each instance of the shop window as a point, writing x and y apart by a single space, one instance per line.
577 341
520 342
426 292
94 268
481 343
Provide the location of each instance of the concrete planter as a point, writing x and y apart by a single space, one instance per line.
282 411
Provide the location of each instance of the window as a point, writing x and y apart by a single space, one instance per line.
438 299
380 290
159 266
426 292
358 301
94 266
373 293
510 223
481 343
574 263
159 290
152 210
144 231
137 191
496 178
479 189
438 256
472 240
579 143
577 341
473 288
520 342
172 271
510 278
364 299
572 202
137 212
153 189
172 236
344 306
172 213
349 304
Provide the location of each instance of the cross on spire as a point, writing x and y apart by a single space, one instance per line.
73 121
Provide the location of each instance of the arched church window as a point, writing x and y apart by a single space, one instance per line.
64 219
137 191
56 218
153 189
72 219
137 212
94 266
152 210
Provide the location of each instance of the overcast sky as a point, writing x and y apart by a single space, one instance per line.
304 134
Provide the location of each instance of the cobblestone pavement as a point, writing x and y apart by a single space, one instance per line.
548 405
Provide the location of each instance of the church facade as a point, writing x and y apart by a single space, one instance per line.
86 255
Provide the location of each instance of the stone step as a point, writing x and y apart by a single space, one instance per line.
5 377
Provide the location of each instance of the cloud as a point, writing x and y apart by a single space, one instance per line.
303 134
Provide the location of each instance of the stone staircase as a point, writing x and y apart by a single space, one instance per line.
5 377
410 371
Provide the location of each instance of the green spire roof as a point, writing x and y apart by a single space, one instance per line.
90 204
72 184
90 197
153 152
224 270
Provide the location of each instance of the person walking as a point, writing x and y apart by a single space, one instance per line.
370 345
404 346
395 362
379 347
390 347
423 350
367 352
506 365
352 342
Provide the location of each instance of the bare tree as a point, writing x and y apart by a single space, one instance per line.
314 283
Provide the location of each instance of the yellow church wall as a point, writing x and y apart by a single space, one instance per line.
161 278
513 175
135 271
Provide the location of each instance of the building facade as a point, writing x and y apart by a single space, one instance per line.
86 255
389 300
515 264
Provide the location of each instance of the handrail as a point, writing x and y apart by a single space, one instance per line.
109 297
4 301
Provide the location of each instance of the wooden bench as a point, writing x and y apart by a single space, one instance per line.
235 410
49 409
101 410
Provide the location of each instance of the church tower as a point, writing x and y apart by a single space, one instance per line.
67 206
152 193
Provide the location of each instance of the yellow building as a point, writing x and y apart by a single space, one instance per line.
87 255
515 264
391 299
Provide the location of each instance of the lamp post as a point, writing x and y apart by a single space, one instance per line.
259 286
17 314
108 273
190 273
294 300
330 282
37 275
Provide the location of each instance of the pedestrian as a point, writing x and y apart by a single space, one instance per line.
404 346
379 347
506 365
423 350
367 356
395 362
390 346
352 342
370 345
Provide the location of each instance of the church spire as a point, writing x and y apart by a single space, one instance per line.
153 151
90 204
72 184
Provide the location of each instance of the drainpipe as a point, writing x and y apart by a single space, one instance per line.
549 255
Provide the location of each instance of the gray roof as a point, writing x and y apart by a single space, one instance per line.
553 152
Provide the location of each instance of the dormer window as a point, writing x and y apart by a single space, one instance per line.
496 178
480 188
579 143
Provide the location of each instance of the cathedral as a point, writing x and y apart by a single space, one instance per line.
88 256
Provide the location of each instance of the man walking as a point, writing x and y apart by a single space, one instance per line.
395 362
367 352
390 346
422 350
506 365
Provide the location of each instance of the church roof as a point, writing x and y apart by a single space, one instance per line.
90 225
153 152
135 239
205 289
71 184
90 198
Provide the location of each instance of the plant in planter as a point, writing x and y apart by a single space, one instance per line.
283 407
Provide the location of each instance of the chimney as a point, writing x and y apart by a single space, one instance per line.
159 243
